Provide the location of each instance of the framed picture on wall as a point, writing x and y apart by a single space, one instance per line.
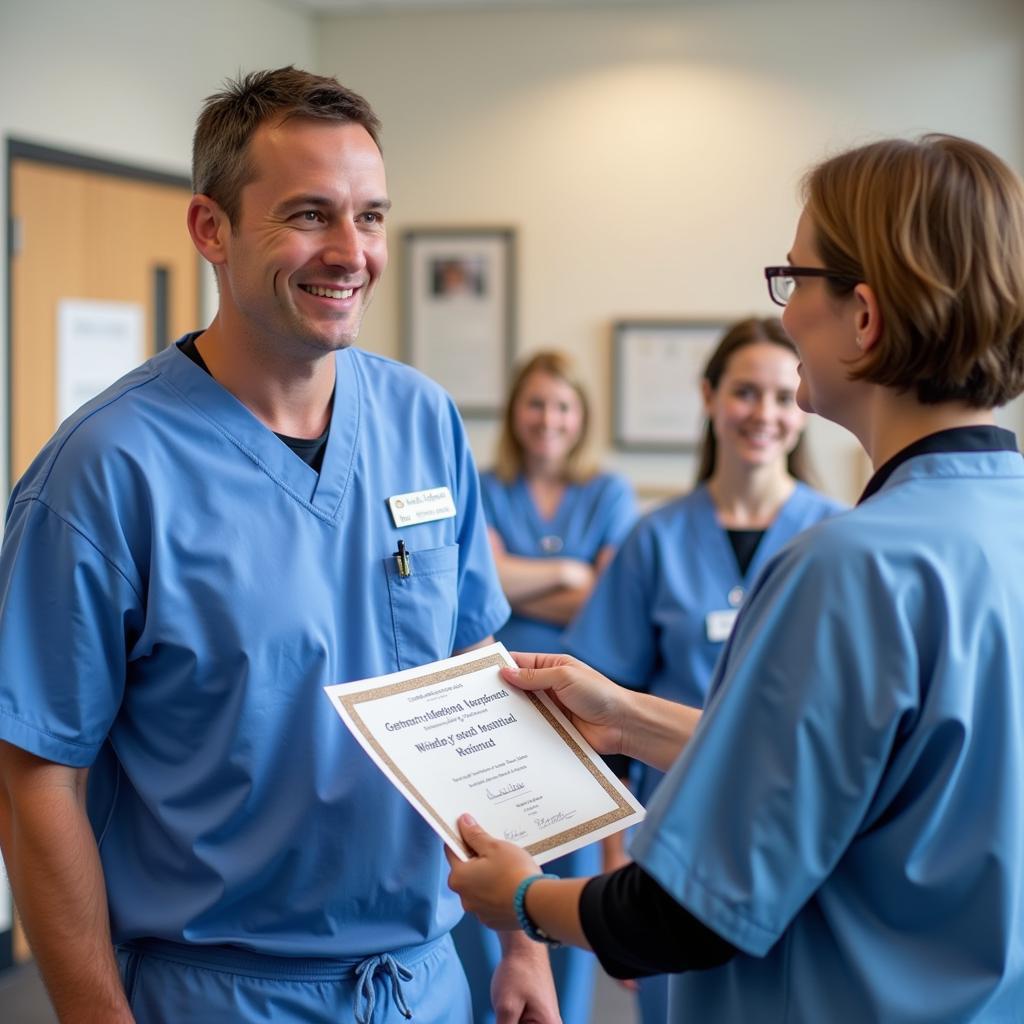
459 312
656 382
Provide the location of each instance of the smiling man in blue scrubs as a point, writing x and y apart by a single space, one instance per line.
193 556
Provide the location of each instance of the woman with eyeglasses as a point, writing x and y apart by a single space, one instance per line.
554 524
842 837
661 613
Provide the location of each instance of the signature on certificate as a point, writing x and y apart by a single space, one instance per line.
513 835
554 819
513 787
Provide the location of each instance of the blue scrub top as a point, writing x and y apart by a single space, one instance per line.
645 624
850 812
177 586
591 516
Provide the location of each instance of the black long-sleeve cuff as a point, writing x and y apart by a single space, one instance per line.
637 929
618 763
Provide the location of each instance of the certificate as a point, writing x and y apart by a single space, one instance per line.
454 738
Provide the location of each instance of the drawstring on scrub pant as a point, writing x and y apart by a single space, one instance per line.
365 972
259 965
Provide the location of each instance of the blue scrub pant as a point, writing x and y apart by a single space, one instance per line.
573 969
653 999
169 983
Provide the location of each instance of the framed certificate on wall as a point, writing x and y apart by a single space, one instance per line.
459 312
656 392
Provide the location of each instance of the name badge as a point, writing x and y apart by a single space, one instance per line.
421 506
719 624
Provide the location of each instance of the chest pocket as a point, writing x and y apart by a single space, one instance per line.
424 605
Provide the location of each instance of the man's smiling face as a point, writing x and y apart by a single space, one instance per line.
309 243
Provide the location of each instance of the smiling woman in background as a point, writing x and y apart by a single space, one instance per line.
842 838
554 525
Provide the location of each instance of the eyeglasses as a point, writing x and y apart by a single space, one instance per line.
782 280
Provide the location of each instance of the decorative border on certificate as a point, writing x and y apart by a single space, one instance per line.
459 312
351 703
517 804
622 808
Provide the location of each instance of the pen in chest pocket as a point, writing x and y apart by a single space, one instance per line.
403 560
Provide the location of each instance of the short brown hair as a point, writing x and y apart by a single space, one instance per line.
752 331
936 228
220 165
509 462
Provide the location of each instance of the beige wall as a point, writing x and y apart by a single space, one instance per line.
649 157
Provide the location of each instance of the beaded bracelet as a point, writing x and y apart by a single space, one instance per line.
519 903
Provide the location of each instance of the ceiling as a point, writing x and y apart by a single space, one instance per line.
389 6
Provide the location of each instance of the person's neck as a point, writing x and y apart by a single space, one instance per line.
544 473
895 421
289 396
546 484
749 497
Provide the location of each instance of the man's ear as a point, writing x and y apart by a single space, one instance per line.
867 317
209 227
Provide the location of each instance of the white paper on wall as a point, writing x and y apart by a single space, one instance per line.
97 342
5 899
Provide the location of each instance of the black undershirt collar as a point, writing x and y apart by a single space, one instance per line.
744 546
955 439
309 449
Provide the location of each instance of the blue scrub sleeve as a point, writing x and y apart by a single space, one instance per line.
806 706
482 605
67 616
614 631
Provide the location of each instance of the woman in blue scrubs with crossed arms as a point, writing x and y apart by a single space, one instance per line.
842 838
659 617
554 525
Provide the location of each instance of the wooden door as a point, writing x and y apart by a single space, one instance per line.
89 234
94 232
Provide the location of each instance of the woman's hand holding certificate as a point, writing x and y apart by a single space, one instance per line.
593 703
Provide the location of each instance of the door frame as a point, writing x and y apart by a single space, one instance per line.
23 150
